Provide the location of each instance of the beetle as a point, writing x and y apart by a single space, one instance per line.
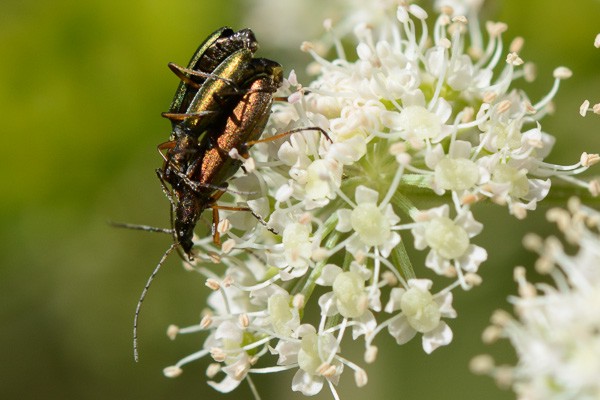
195 132
211 54
219 103
209 101
213 51
206 176
209 165
212 102
203 111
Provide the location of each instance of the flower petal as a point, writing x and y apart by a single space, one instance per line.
344 223
364 194
308 385
328 275
401 330
440 336
228 384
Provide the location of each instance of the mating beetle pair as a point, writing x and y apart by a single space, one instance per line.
222 103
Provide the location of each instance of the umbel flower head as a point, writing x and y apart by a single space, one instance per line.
416 114
556 331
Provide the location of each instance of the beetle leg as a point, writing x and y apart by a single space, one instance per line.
197 186
304 91
182 116
185 73
166 146
215 212
284 134
216 207
244 148
164 187
215 231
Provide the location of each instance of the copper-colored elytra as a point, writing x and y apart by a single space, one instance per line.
245 124
206 177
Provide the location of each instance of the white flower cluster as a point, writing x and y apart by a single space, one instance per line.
290 20
557 331
414 116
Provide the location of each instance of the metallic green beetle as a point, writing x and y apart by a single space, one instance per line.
212 52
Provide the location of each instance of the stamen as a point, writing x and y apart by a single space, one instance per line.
172 372
516 45
172 331
559 74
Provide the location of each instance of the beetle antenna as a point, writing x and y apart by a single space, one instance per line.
137 227
143 295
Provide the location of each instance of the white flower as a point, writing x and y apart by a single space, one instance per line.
416 124
454 171
420 312
280 313
449 241
349 296
293 255
226 346
283 317
322 176
296 242
314 354
370 225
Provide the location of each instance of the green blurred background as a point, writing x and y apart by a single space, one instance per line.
82 85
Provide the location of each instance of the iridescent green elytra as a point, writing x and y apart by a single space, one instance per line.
215 97
212 52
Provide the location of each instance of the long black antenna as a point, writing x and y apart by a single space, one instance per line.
137 227
143 295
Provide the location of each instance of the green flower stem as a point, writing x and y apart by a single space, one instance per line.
348 257
416 180
333 238
333 321
336 319
401 260
404 204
